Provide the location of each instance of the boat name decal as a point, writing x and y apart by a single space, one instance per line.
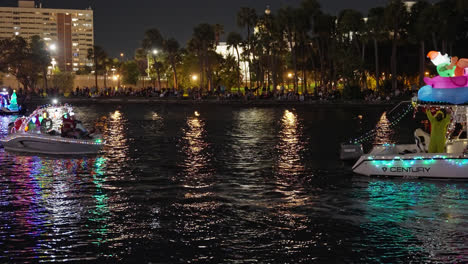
407 169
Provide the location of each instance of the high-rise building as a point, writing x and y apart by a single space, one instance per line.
68 33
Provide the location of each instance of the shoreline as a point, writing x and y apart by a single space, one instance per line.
260 102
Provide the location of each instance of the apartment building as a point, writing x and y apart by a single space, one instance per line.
68 33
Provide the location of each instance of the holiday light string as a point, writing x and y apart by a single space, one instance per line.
371 134
55 111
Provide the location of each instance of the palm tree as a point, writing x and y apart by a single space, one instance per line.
375 25
351 27
99 57
172 48
203 40
158 66
141 59
420 32
153 42
396 18
325 30
288 20
234 40
247 17
41 56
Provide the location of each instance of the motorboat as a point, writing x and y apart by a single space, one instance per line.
414 160
9 104
39 133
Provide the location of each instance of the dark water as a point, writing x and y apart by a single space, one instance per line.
233 185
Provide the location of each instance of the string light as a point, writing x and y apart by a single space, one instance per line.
370 135
55 112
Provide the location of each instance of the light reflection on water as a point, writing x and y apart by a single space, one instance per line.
197 157
231 185
421 220
290 145
384 131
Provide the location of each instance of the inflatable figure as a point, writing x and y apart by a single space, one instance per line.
453 95
446 66
447 82
439 124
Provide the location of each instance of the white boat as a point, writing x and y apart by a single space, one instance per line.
413 160
409 161
38 133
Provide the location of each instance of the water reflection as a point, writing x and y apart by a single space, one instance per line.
115 135
197 157
252 132
290 146
290 174
43 205
384 131
100 214
415 219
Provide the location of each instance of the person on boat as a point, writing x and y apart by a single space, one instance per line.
68 127
446 66
17 124
83 133
46 124
439 124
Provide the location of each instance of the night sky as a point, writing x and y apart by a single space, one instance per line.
120 24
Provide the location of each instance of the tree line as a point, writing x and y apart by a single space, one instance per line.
384 49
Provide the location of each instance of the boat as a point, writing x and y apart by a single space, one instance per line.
413 160
9 105
39 134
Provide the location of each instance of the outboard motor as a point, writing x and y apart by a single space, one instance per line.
351 151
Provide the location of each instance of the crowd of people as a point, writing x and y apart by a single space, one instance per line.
258 93
320 94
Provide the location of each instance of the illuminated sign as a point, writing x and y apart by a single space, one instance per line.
406 169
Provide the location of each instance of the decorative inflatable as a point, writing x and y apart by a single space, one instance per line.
448 66
452 84
452 96
447 82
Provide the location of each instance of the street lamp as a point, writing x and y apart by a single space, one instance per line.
53 47
54 62
290 75
154 52
194 77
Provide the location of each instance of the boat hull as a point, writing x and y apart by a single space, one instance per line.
45 144
421 165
